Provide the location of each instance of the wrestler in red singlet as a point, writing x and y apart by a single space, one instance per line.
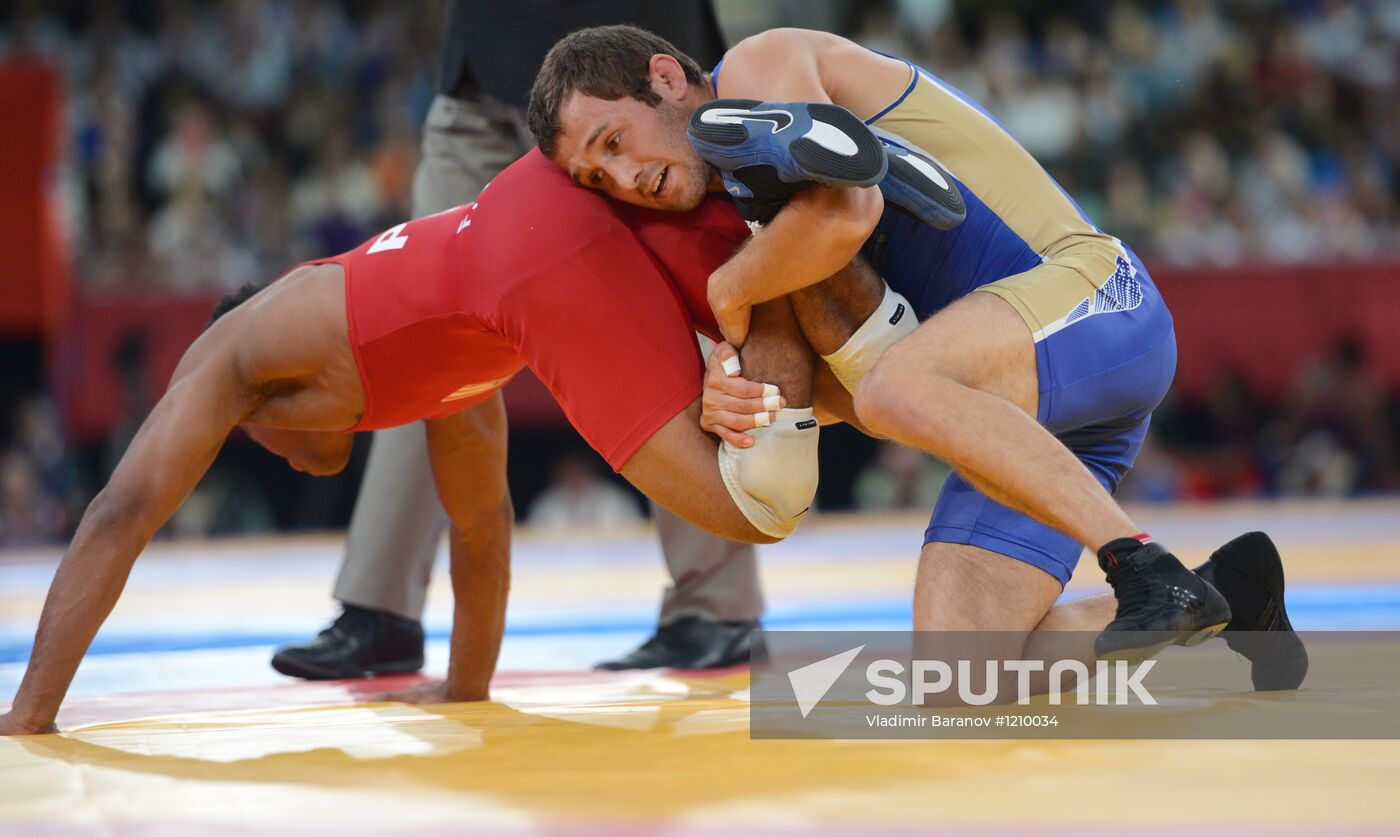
444 310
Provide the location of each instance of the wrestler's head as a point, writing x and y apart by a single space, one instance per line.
318 453
610 106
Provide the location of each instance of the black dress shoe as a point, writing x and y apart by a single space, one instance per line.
361 643
693 642
1249 573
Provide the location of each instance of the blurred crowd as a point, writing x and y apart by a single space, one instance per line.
219 142
1335 435
1199 132
216 143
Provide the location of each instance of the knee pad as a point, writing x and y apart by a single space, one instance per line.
893 319
773 482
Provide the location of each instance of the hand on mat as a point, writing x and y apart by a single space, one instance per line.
432 691
731 404
10 725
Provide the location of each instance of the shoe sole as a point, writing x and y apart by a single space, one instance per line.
816 159
739 652
305 671
914 179
1141 653
729 660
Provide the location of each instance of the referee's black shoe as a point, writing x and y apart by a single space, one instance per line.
1160 602
1249 574
693 642
360 643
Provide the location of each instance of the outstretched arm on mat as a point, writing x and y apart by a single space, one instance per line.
468 454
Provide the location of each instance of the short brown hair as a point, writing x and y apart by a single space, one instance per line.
606 62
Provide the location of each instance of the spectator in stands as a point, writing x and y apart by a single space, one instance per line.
1337 432
28 514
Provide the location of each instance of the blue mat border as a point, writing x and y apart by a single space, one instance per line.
1349 606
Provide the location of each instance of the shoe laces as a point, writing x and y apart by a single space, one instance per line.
1133 588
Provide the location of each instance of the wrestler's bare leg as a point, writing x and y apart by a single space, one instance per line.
777 352
830 311
963 387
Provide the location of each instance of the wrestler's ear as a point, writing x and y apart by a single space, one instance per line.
667 76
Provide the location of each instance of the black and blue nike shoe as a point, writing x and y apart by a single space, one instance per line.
802 142
766 152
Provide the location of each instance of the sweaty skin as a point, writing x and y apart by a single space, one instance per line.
281 366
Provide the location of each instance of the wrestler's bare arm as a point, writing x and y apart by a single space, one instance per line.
468 455
821 229
168 456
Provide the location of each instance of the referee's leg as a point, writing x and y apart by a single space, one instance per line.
709 614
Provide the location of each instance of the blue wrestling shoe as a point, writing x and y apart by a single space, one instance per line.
758 192
920 186
766 152
801 142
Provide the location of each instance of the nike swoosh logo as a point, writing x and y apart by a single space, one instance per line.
778 119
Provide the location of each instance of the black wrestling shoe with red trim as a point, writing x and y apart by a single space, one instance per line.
1160 602
1249 574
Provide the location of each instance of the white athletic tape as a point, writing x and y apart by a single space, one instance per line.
773 482
772 402
761 420
769 389
731 366
893 318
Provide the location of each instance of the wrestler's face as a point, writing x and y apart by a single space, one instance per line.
633 152
315 453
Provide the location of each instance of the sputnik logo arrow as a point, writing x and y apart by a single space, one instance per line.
811 682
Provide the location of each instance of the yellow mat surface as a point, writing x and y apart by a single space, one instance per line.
648 753
634 753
